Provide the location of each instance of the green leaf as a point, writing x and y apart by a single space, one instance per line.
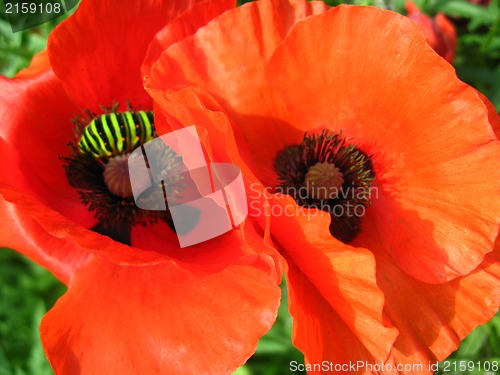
467 10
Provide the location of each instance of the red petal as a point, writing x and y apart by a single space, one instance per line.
493 117
39 225
34 131
97 53
434 151
318 330
60 245
185 25
433 319
237 247
159 319
39 64
449 37
230 65
343 278
23 232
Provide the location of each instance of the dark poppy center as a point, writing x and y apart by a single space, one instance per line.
97 167
328 173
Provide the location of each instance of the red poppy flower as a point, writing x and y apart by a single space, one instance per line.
439 31
406 282
150 307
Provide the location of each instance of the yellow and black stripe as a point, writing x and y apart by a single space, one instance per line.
117 133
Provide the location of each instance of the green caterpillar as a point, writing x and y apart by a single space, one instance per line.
113 134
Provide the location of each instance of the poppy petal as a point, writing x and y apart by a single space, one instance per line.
493 117
183 26
438 208
433 319
449 36
18 174
34 131
230 66
41 224
319 332
22 231
190 106
97 53
39 64
238 247
343 275
206 324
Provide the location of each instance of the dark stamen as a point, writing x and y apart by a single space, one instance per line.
327 173
85 173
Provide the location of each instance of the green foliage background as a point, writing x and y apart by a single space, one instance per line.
27 291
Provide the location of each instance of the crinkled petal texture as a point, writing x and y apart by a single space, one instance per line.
340 279
33 186
97 53
433 318
435 214
183 26
159 319
35 130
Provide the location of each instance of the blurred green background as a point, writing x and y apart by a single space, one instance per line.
27 291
